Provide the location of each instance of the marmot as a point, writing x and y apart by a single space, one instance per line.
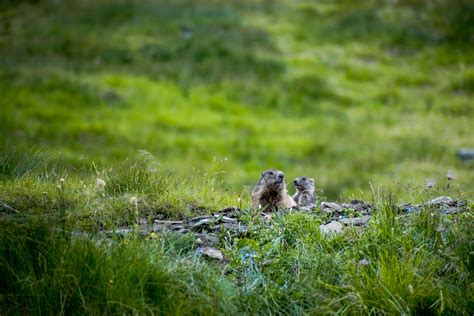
270 192
304 196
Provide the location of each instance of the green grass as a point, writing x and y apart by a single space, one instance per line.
346 92
414 264
55 260
181 105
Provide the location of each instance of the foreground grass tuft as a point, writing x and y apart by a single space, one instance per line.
417 263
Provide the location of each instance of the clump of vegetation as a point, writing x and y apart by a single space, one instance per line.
416 263
55 257
17 161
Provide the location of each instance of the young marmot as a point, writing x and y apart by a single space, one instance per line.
270 192
304 196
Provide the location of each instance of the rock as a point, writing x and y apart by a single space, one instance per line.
125 231
198 218
210 252
408 208
207 239
200 223
156 221
446 200
176 227
309 209
444 204
359 205
237 228
330 207
228 210
466 154
181 231
355 221
333 227
336 209
226 219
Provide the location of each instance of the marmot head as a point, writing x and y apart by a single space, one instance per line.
304 184
273 179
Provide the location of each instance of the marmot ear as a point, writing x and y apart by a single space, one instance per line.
263 173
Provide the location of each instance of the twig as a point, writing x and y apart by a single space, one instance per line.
8 207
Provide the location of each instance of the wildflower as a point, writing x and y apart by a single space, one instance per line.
429 183
410 289
111 281
364 262
62 180
100 182
153 235
238 200
134 200
451 176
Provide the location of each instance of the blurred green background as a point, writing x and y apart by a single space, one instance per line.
352 93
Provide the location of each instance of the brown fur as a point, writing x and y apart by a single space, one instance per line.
270 192
305 196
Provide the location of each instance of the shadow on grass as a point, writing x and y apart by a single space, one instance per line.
177 41
403 24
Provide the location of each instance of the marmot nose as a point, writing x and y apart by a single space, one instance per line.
295 181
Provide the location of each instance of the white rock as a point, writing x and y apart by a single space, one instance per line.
355 221
210 252
330 206
333 227
441 200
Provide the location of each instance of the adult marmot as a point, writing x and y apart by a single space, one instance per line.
270 192
304 196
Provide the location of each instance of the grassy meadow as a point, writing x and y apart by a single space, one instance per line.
182 104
